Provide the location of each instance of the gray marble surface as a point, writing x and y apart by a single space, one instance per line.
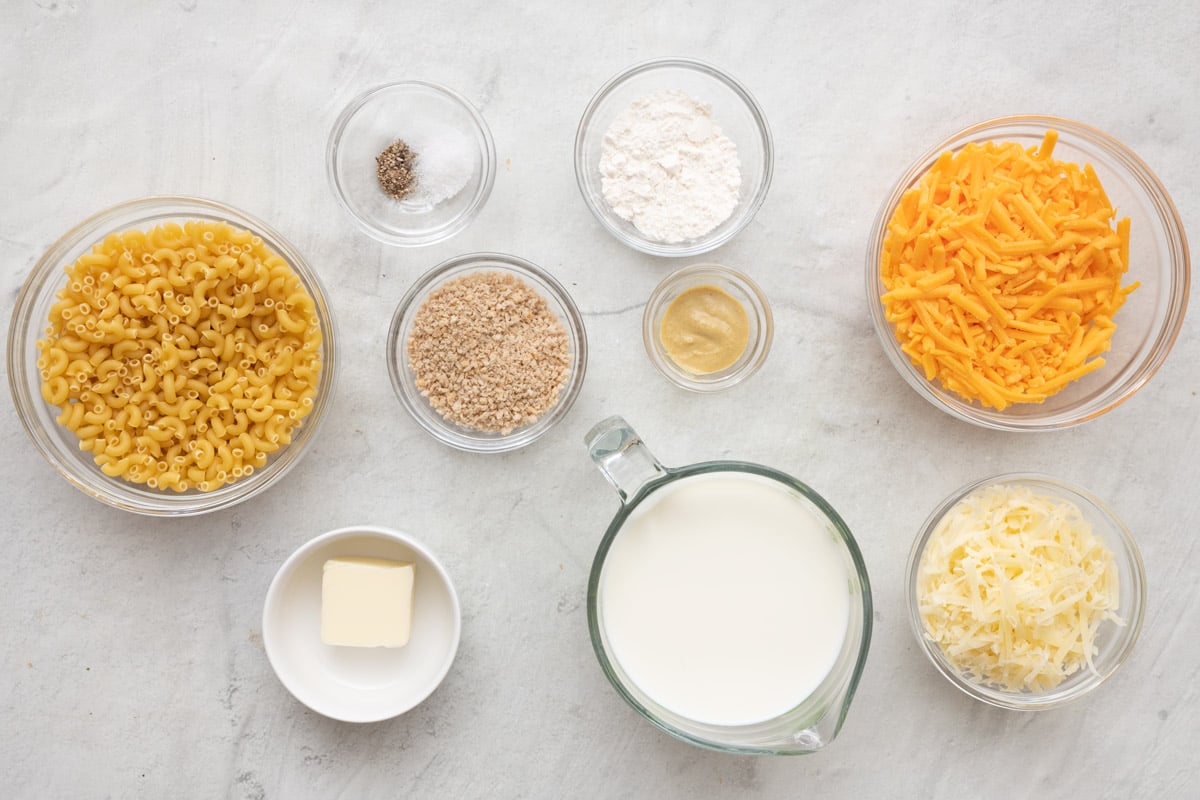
131 656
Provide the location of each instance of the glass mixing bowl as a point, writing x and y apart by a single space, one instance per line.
433 114
60 446
734 110
737 286
1114 642
1147 324
404 380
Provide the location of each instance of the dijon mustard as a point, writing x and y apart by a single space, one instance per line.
704 330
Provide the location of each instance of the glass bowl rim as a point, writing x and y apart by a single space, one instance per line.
543 282
1124 546
704 244
457 223
41 279
1177 272
759 307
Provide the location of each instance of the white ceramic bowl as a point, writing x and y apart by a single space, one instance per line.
356 684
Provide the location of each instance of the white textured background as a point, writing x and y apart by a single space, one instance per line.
131 660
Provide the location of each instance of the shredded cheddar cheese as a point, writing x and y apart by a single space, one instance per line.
1012 587
1002 271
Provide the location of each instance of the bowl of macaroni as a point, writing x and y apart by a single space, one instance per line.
171 356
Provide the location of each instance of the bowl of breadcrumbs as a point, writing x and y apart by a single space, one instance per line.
487 352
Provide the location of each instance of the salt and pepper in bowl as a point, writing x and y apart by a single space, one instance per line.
411 162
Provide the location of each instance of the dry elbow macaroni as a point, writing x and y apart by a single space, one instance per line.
181 356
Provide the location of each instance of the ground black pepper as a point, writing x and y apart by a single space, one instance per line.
394 169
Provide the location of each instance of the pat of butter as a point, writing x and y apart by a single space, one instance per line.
366 602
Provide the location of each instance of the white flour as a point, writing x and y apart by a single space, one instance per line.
668 169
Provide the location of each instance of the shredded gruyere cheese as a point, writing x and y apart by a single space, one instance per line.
1003 272
1012 587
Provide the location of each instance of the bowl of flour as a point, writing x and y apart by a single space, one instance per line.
673 157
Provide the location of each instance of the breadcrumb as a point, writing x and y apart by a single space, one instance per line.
488 352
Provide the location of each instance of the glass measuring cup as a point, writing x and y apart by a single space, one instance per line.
804 728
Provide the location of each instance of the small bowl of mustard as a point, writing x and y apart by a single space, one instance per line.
707 327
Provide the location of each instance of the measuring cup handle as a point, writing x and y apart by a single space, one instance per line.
620 454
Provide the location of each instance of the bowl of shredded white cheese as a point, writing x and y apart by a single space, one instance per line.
1025 592
673 157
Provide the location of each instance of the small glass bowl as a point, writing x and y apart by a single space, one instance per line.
404 380
734 111
1147 324
413 111
1115 642
733 283
60 446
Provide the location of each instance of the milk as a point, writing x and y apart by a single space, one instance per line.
725 598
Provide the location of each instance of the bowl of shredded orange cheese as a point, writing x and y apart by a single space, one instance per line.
1028 273
1024 591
